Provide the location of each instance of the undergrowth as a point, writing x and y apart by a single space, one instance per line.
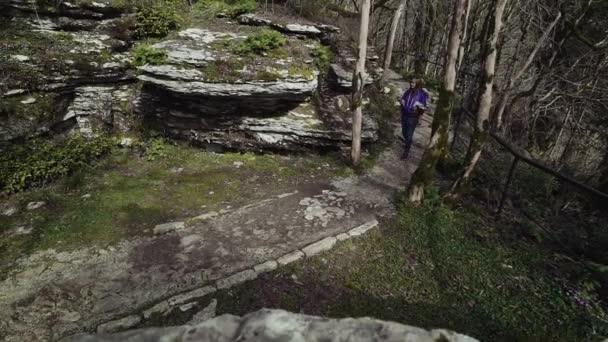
144 54
40 161
323 56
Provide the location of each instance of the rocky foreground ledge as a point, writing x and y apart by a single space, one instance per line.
278 325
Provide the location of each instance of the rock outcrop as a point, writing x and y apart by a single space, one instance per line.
278 325
207 94
75 73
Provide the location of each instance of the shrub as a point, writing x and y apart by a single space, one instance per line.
156 149
260 42
157 19
322 55
39 161
230 8
145 54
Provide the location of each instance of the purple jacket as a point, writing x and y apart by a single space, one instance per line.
412 97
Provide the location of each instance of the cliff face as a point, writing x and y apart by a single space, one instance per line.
79 67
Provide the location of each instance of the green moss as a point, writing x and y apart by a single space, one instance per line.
303 71
144 54
265 75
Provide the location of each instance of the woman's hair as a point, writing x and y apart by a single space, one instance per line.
419 81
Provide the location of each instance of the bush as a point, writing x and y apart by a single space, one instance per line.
322 55
230 8
156 149
145 54
260 42
39 161
157 19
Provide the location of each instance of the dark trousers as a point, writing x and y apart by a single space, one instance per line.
408 126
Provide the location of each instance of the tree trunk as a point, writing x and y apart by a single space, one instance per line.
420 23
463 37
388 52
358 83
482 126
441 121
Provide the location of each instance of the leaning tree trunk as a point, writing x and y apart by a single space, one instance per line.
441 120
358 83
388 53
482 126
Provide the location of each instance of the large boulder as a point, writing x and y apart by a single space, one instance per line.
279 326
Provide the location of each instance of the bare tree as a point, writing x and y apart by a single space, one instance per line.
358 83
506 93
388 52
482 126
441 121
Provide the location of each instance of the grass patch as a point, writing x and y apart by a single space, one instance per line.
433 267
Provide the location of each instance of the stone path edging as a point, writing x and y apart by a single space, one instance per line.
237 278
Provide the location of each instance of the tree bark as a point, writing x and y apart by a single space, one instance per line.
388 52
463 37
358 83
441 121
482 126
420 38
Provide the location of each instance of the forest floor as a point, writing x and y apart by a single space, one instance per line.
95 252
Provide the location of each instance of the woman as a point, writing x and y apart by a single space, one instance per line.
413 104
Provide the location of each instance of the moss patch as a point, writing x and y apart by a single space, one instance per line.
130 193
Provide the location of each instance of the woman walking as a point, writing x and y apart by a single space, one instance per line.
413 104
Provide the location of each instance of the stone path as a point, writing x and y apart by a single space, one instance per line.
58 294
